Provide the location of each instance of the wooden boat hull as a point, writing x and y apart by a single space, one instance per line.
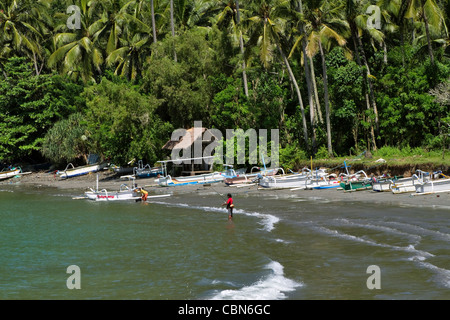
148 173
113 196
168 181
9 174
324 185
287 182
80 171
355 185
433 186
247 178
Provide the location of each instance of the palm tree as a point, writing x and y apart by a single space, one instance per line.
18 30
358 23
128 58
229 16
324 25
266 27
432 16
79 53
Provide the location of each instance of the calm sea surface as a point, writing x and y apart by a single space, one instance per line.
183 247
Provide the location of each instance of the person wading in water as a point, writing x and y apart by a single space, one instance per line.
230 206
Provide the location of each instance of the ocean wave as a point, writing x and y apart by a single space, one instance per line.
268 221
409 248
411 237
271 287
442 276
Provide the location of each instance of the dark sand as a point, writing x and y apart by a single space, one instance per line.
108 180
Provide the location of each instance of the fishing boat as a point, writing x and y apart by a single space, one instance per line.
146 171
234 177
168 181
6 174
326 182
384 183
432 186
407 185
355 182
70 171
122 170
124 193
293 181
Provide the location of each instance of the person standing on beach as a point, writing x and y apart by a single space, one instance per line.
230 206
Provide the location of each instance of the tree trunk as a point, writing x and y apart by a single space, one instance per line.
369 80
299 95
366 96
152 8
327 106
241 45
427 31
312 113
316 93
172 27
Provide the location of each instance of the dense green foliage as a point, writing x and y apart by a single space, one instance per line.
318 71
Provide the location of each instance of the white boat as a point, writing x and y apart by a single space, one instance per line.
6 174
298 181
383 184
432 186
123 194
407 185
168 181
70 171
326 182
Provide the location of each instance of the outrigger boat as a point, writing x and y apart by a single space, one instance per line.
407 185
295 181
326 182
6 174
146 171
124 193
383 183
70 171
354 182
234 177
168 181
432 186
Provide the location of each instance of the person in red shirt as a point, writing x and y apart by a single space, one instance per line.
230 206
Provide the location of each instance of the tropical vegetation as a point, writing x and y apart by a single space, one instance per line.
116 77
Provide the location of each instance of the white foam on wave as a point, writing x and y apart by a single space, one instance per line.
412 237
442 276
268 221
271 287
422 231
409 248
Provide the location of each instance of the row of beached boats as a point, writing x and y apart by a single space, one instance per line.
265 178
419 183
275 178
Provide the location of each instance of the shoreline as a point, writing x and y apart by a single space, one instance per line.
110 181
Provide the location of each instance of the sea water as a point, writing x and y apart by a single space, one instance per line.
184 247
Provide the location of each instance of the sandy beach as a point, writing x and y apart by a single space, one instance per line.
110 181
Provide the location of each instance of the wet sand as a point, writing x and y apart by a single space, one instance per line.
108 180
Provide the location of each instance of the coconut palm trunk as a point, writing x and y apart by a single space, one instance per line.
297 90
172 28
326 98
241 46
152 9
